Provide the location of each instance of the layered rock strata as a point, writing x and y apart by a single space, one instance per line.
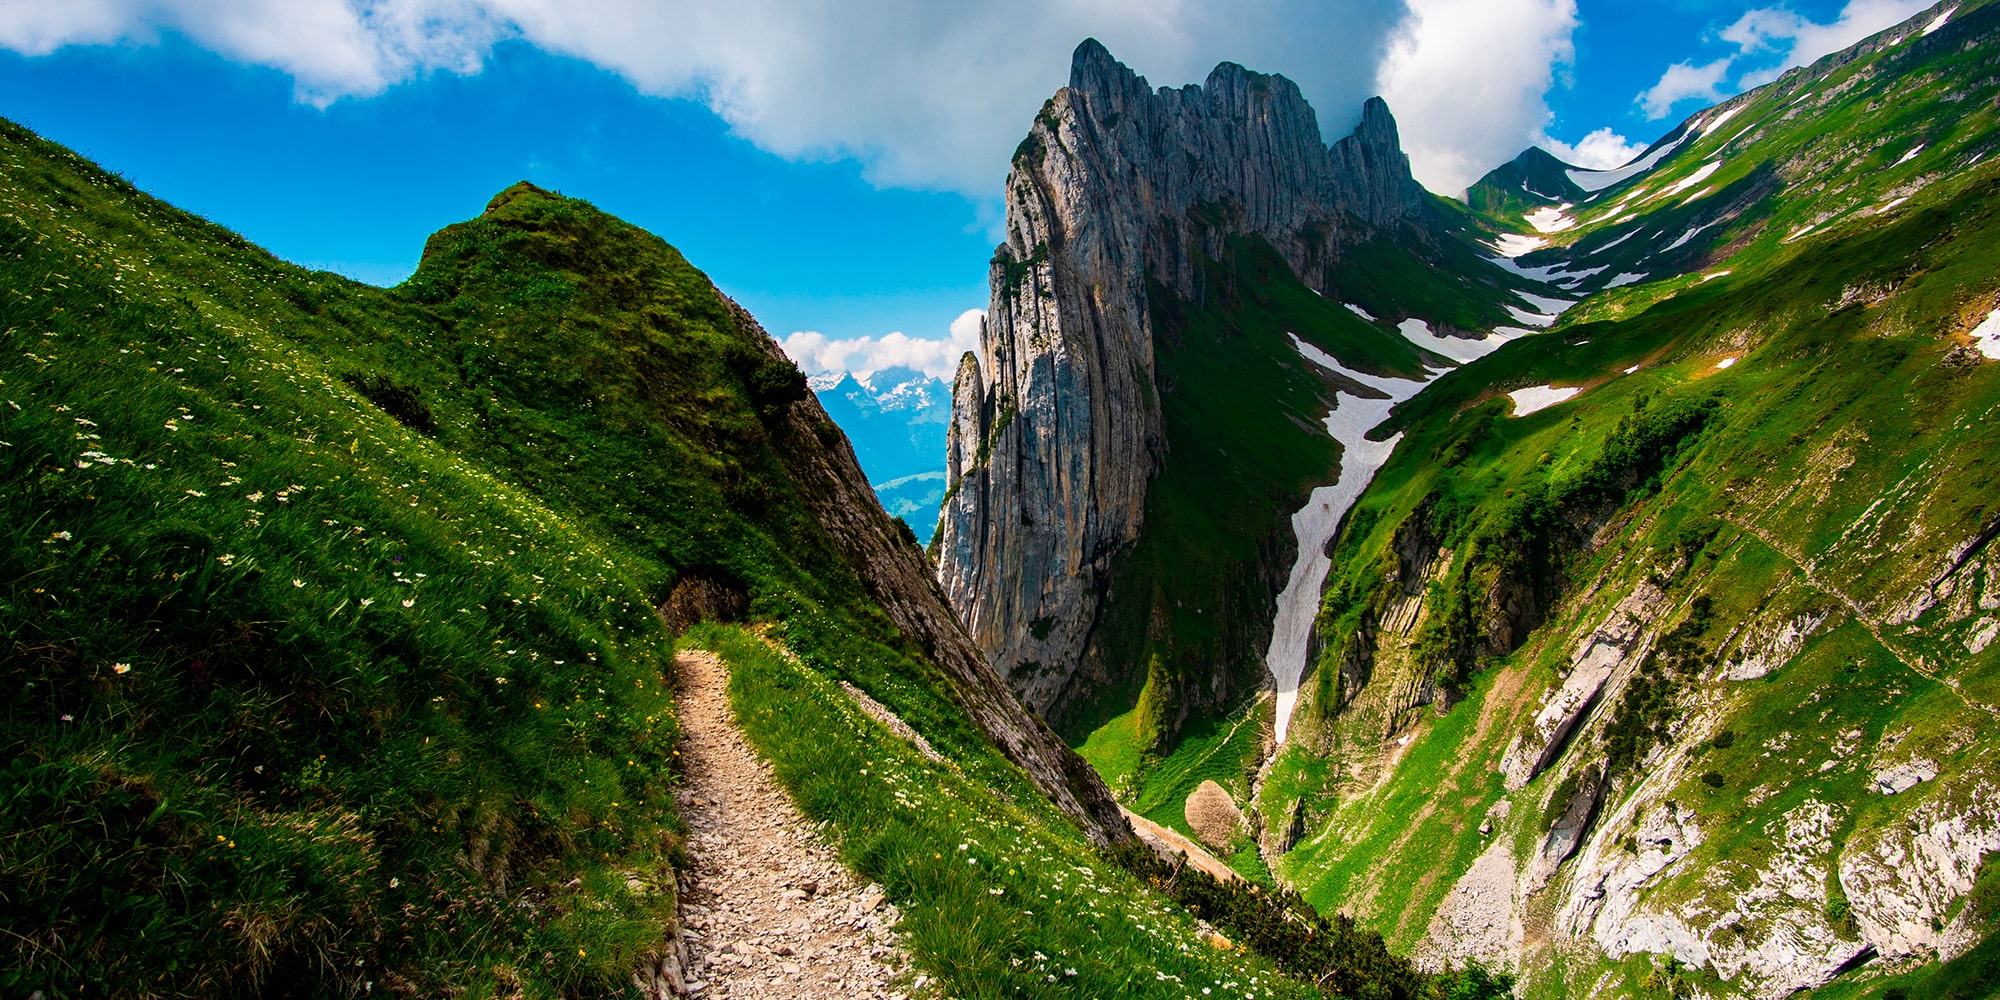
1120 189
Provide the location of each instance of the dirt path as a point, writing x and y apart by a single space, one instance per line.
1157 836
770 913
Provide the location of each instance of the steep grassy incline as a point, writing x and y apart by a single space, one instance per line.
1687 680
337 623
1188 620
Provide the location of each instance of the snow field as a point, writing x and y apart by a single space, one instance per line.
1298 605
1551 219
1458 349
1598 180
1540 397
1512 245
1986 336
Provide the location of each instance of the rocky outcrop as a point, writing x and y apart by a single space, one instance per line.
1056 428
1213 815
823 468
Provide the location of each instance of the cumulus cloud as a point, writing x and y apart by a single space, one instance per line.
815 353
1685 81
1469 79
1600 150
1770 40
925 93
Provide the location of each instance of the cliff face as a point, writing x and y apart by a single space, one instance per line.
1056 433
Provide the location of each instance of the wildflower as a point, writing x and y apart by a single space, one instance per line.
394 882
366 601
121 668
227 559
254 497
410 603
194 493
298 583
58 536
69 718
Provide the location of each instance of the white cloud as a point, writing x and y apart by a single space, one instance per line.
925 93
1683 81
1767 32
331 48
1802 41
1600 150
815 353
1469 79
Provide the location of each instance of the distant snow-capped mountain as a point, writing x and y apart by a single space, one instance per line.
896 418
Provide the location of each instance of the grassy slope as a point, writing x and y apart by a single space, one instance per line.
1816 383
306 701
1829 146
1197 588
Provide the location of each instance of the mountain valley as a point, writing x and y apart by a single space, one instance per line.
1312 586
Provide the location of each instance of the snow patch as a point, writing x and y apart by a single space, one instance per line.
1712 127
1725 362
1358 311
1298 605
1798 233
1512 245
1623 279
1617 241
1458 349
1632 369
1697 196
1986 336
1540 397
1685 237
1550 220
1531 318
1942 20
1911 155
1553 307
1704 172
1598 180
1712 275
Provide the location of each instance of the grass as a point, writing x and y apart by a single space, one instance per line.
298 696
330 627
1844 458
998 901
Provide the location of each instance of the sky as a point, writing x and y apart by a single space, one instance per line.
834 165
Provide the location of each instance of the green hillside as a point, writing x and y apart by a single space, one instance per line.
339 625
1771 497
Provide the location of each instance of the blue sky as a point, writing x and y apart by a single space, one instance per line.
837 175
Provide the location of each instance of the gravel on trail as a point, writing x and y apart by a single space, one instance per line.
768 910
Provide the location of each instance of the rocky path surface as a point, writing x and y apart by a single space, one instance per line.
770 911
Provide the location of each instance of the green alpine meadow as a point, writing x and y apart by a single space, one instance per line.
1583 585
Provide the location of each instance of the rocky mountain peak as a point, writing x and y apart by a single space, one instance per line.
1118 190
1108 83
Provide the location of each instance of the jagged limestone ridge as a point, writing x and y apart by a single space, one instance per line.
1057 430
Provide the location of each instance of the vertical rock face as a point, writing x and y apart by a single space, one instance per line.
1056 426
